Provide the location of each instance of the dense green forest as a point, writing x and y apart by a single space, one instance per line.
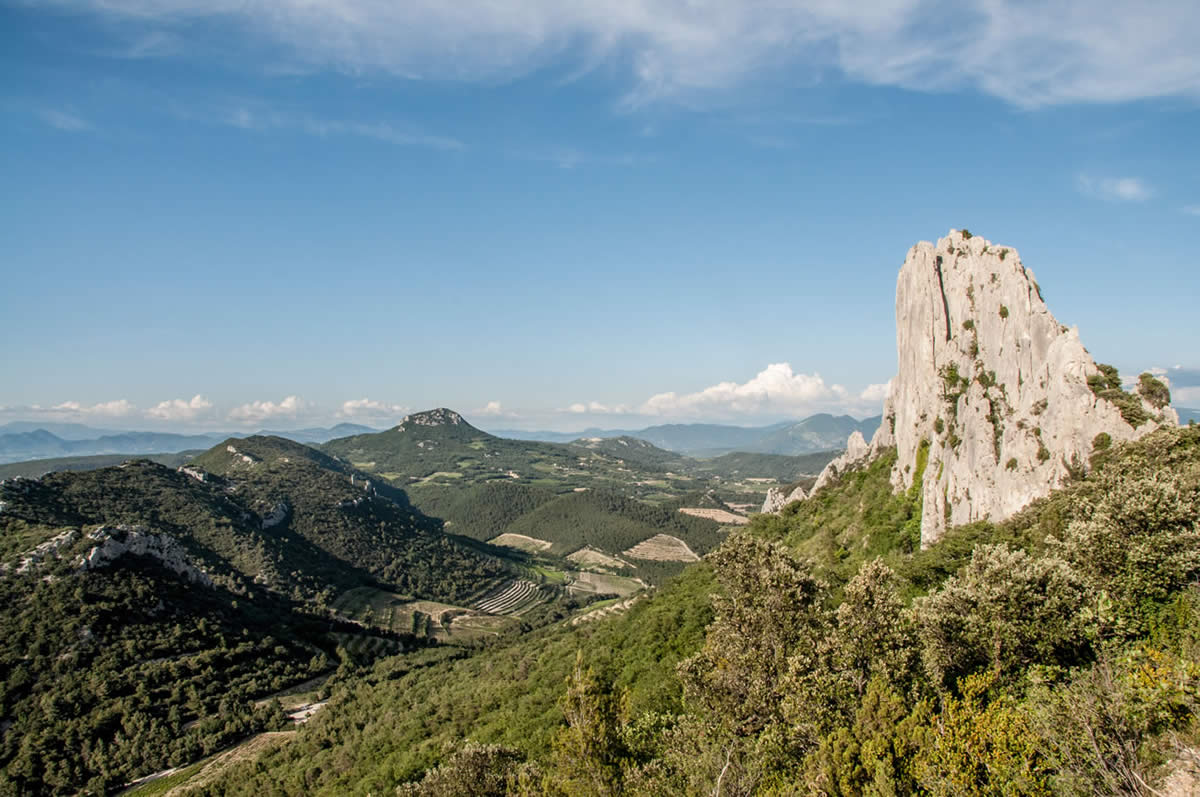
603 519
1055 653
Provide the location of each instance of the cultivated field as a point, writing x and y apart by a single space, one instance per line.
442 621
663 548
719 515
604 609
585 583
590 558
521 543
513 598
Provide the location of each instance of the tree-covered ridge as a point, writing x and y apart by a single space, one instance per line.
1052 654
433 453
151 657
353 519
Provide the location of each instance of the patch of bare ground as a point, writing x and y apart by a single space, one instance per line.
584 583
720 515
594 559
250 749
521 542
663 548
1183 779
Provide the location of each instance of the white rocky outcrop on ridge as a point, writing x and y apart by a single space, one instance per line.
991 406
112 543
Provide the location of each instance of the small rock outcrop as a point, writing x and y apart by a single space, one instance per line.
994 402
277 515
857 452
114 542
778 498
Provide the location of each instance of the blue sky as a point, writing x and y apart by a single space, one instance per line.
544 214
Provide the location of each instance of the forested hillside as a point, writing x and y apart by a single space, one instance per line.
1054 653
147 609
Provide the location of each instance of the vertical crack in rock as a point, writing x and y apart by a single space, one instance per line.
942 287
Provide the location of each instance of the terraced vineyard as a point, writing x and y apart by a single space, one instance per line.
442 621
514 598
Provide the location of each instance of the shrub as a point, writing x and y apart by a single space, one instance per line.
1003 311
978 746
1101 442
1011 464
1136 536
1005 610
966 234
1154 391
968 324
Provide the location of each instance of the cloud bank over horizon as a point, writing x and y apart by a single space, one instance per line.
777 392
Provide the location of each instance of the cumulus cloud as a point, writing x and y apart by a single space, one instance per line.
257 411
1029 54
180 409
775 389
365 409
877 392
1119 189
106 409
597 408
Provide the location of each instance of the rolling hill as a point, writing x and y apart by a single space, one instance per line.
821 432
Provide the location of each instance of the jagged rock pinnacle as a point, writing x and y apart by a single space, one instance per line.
991 406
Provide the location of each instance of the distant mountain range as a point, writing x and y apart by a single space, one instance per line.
823 432
23 440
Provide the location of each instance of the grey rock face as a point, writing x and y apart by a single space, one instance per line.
112 543
989 384
778 498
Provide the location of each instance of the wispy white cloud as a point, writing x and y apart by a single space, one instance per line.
151 44
371 410
1120 189
62 120
180 409
570 158
258 411
255 116
1191 210
1029 54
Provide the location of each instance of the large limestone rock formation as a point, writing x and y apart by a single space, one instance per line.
991 407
